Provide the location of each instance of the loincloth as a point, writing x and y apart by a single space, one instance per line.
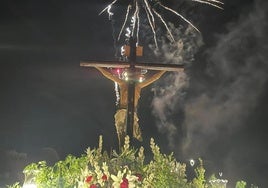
121 124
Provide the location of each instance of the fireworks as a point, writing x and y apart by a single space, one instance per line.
151 8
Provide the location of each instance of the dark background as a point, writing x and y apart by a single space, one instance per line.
51 107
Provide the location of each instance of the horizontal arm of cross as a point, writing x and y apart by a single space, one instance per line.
118 64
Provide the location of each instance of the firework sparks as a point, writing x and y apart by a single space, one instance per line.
173 11
165 24
125 21
138 26
117 93
211 3
134 18
151 9
108 7
109 12
152 27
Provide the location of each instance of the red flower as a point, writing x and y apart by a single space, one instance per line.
124 183
139 177
104 177
89 179
93 186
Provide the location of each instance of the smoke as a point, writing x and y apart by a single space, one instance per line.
238 70
182 51
50 155
238 66
170 90
165 101
13 162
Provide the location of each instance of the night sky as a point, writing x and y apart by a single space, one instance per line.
51 107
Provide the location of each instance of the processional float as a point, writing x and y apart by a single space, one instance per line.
133 77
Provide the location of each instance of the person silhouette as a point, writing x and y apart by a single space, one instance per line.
121 112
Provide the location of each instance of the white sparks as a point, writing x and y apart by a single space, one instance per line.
123 51
125 21
134 19
165 24
209 3
173 11
111 4
215 1
150 12
138 26
128 32
117 94
152 27
109 11
151 8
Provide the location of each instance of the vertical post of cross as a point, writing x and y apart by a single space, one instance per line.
131 88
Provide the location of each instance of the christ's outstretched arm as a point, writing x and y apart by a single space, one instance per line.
150 80
109 75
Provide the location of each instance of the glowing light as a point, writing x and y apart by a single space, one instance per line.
29 181
30 185
125 75
141 79
192 162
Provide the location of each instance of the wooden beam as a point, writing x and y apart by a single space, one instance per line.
118 64
155 66
108 64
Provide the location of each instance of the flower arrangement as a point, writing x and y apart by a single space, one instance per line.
126 169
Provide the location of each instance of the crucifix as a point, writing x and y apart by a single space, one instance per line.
131 78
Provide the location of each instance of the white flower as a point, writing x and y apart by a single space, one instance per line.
118 179
132 180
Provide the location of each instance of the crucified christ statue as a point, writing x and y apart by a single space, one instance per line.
121 113
131 78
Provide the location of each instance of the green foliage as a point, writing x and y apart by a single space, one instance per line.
199 181
241 184
125 169
15 185
64 173
164 170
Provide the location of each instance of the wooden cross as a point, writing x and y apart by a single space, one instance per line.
131 66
